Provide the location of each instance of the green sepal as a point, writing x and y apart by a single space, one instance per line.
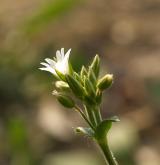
84 131
95 65
65 100
77 77
70 68
89 87
83 72
75 86
92 77
103 128
60 75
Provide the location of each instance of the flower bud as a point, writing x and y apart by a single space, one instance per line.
75 86
96 65
65 100
63 86
105 82
92 77
83 72
77 77
84 131
89 87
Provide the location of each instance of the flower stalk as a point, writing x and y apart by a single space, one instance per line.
84 117
88 88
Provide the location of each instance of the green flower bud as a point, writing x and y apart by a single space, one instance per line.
83 72
105 82
75 86
92 77
96 65
63 86
65 100
84 131
77 77
89 87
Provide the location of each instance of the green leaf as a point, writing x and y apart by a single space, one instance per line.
85 131
114 119
103 128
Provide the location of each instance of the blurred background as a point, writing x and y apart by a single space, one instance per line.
34 128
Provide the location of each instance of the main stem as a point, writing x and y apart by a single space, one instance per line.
109 157
96 120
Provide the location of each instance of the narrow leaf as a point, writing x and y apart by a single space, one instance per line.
104 127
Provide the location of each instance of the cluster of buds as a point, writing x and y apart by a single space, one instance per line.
87 87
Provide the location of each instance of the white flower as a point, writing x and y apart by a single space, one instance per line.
60 63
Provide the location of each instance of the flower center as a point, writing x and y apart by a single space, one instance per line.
61 67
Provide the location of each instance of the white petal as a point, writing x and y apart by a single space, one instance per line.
60 66
45 64
60 63
42 68
67 54
62 52
58 56
45 69
51 62
49 69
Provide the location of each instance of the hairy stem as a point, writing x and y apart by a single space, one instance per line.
109 157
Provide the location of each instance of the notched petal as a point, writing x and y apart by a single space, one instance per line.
51 62
58 56
62 52
67 54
